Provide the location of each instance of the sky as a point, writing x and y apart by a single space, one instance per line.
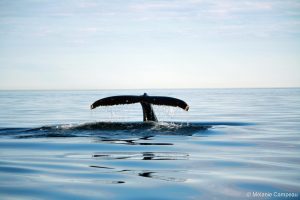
136 44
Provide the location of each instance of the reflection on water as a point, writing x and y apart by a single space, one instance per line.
158 174
230 143
132 142
142 156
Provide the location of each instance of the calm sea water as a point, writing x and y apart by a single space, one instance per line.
232 144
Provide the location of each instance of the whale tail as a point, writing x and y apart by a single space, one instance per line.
146 102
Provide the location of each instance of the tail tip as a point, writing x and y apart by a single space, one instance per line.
187 108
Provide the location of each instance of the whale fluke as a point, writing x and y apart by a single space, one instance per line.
116 100
166 101
144 100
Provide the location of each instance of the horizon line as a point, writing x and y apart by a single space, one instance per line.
196 88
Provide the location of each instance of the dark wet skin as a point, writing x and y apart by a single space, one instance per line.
146 102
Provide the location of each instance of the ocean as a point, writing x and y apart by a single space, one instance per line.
231 144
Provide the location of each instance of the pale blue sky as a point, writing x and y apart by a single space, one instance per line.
76 44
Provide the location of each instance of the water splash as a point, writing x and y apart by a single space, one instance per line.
100 129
